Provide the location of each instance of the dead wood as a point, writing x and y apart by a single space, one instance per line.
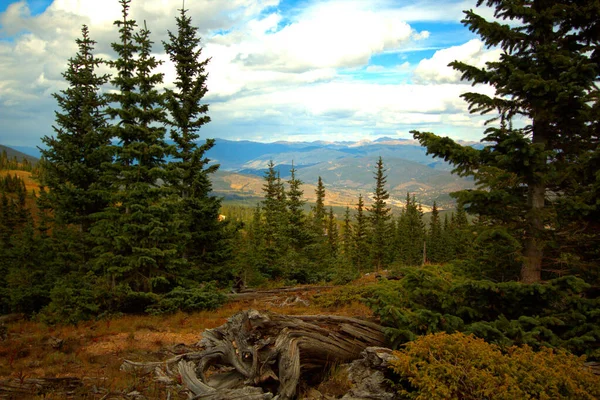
369 376
24 388
258 354
8 318
249 294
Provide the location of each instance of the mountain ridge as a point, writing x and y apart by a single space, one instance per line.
346 167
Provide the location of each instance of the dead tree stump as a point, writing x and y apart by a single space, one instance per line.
256 355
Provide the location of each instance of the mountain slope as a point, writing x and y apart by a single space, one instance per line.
11 153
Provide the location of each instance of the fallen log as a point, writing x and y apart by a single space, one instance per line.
256 355
249 294
28 387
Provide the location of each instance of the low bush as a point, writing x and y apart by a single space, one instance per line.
459 366
555 314
76 298
342 296
207 297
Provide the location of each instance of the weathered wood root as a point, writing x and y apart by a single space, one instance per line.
263 350
368 376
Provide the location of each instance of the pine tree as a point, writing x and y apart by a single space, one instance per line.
447 250
435 243
274 215
379 218
190 173
296 227
347 235
318 211
75 159
360 254
333 235
533 178
410 233
137 235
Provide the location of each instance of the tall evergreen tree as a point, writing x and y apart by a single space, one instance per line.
547 73
435 242
190 173
76 158
379 218
296 226
410 233
333 234
446 252
347 235
137 234
360 254
274 215
318 210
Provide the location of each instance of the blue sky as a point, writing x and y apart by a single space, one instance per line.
280 70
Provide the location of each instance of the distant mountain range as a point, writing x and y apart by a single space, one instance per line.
347 169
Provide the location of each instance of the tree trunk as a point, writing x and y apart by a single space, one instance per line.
256 355
531 270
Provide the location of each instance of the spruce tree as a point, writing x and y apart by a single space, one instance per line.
190 170
76 158
360 254
347 235
318 211
435 242
333 235
274 215
379 218
137 235
447 250
410 233
533 179
296 226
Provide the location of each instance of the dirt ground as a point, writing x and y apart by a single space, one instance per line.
83 362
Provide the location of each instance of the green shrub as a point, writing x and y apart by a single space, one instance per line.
137 302
75 298
495 256
557 313
457 366
206 297
343 295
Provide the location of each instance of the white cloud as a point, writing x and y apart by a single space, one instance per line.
436 69
271 75
328 35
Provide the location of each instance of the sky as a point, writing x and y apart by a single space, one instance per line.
294 70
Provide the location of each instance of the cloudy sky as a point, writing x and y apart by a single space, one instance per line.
279 69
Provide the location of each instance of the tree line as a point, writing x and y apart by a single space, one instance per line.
122 212
282 241
125 220
8 163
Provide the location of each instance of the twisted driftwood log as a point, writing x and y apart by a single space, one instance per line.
256 355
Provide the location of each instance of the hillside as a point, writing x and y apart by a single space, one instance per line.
240 155
89 355
11 153
345 167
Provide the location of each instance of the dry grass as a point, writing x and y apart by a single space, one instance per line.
30 183
94 350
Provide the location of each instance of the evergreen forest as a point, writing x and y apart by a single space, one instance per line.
121 219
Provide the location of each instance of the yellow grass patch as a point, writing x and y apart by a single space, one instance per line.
94 350
30 183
